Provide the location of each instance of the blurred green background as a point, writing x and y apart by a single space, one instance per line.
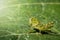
15 14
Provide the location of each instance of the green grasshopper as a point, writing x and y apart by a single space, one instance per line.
37 26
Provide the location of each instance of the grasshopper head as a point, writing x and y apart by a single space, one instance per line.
33 21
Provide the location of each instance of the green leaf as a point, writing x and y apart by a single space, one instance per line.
15 14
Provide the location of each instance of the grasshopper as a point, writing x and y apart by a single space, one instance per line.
37 26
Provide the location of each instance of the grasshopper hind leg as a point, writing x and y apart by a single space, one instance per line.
42 32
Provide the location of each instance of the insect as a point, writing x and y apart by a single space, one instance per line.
37 26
